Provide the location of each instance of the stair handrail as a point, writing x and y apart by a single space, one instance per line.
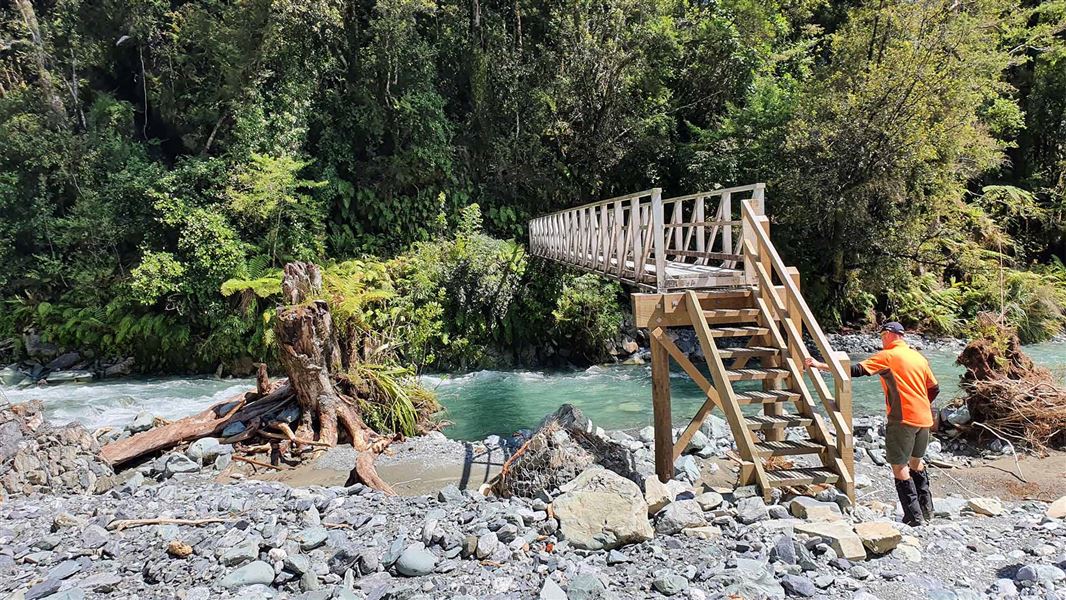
753 230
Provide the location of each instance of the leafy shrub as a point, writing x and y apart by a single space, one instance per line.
588 316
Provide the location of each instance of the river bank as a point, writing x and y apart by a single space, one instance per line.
166 532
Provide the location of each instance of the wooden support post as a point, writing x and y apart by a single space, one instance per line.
658 239
661 414
846 450
638 236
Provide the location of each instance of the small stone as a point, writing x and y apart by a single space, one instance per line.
989 507
805 507
656 494
63 570
297 563
668 583
451 494
240 554
179 463
751 510
257 572
798 585
551 590
614 557
685 468
840 535
94 536
907 553
585 586
879 537
709 500
1049 574
486 545
311 538
948 507
179 549
777 511
204 450
416 561
784 550
142 422
678 516
1057 509
706 532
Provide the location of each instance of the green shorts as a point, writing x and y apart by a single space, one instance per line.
904 442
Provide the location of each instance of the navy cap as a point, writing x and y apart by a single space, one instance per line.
892 326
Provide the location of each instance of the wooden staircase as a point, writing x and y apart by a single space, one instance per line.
715 269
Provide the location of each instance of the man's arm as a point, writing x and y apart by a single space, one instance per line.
857 370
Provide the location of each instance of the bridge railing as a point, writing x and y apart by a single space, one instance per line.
787 305
674 243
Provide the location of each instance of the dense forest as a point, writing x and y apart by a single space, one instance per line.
160 160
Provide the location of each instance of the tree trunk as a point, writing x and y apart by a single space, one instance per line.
44 77
209 422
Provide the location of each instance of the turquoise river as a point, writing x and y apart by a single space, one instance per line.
478 403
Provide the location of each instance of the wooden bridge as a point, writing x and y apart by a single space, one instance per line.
706 261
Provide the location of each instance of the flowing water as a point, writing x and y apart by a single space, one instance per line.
479 403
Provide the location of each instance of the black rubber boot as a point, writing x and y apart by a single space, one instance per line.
925 497
908 497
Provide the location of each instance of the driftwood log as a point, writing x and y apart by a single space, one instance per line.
317 384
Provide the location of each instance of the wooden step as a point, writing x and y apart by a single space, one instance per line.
731 315
719 332
752 352
766 397
763 422
755 374
800 476
788 448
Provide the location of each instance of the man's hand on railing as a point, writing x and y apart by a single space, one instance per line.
815 364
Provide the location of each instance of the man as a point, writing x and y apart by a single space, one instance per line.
910 389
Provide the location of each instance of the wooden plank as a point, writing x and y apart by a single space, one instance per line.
635 233
727 214
659 240
661 414
709 404
671 310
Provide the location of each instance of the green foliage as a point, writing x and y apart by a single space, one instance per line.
159 153
588 316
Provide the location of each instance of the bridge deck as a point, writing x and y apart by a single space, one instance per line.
687 242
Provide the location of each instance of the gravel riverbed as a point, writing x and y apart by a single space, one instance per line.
595 538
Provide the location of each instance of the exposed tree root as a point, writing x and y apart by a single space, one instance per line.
318 383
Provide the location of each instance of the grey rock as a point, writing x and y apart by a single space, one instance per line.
142 422
63 570
679 515
94 536
486 545
253 573
551 590
668 583
416 561
298 563
311 538
179 463
451 494
614 557
685 468
240 554
715 427
784 550
204 450
233 429
751 510
776 511
798 585
585 586
1049 574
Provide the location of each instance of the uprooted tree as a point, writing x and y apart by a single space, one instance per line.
1007 394
320 396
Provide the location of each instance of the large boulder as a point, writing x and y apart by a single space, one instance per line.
1057 509
601 510
805 507
563 445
